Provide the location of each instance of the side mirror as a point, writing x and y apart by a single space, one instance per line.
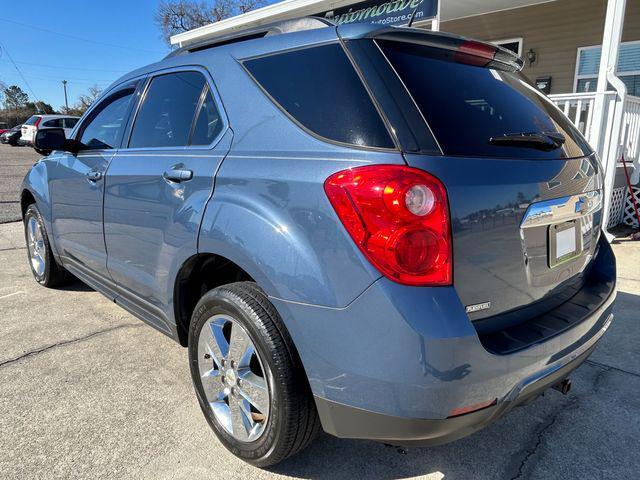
49 139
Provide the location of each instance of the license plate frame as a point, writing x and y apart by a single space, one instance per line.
564 245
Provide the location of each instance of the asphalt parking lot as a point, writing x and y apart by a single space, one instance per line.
88 391
14 164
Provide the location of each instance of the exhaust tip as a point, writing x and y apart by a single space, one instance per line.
564 387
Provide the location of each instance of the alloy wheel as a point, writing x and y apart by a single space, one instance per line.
234 378
37 248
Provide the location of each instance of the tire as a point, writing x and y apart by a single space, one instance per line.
49 274
290 421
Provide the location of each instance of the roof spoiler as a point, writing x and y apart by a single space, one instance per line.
465 50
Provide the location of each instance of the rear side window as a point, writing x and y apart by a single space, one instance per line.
70 122
467 105
55 123
168 110
208 122
319 88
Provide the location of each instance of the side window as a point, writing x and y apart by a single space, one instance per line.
105 126
55 123
167 112
320 89
70 122
208 122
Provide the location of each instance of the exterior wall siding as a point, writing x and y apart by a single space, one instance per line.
553 30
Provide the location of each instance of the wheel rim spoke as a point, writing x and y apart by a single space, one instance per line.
211 383
212 342
240 422
239 343
255 390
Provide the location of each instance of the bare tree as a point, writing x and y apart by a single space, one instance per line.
177 16
84 101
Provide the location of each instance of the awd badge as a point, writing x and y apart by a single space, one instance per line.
477 307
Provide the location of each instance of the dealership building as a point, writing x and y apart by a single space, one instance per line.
585 54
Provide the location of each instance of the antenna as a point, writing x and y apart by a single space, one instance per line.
413 15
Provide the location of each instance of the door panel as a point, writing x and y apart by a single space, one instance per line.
151 222
77 208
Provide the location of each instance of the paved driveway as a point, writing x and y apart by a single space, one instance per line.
14 164
88 391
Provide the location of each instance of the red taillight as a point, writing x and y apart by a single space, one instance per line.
399 217
37 122
475 53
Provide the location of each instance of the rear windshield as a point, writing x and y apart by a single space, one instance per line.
467 105
32 120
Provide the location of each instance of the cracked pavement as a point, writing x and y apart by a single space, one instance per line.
88 391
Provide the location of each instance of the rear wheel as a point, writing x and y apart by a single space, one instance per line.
43 265
248 377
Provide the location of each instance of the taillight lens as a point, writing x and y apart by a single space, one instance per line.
399 218
37 122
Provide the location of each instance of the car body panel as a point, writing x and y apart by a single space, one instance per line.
77 207
151 224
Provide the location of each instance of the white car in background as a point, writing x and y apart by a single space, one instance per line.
36 122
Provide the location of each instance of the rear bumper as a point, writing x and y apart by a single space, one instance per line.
344 421
395 363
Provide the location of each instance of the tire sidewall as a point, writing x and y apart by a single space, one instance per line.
224 302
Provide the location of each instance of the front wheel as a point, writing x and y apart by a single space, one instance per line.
43 265
248 377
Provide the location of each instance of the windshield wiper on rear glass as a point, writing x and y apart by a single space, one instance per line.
539 140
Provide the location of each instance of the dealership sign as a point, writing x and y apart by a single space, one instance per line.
392 12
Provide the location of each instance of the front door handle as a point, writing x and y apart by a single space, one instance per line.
94 175
178 175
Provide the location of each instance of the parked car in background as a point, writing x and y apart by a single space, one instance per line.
11 136
3 127
36 122
377 246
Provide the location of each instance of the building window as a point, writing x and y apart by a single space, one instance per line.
628 69
513 44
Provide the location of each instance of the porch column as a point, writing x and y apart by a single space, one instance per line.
606 119
435 23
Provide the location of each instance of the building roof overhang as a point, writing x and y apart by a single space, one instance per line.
289 9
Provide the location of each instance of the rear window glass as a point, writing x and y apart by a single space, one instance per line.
467 105
32 120
320 89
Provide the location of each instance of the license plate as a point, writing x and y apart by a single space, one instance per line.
565 242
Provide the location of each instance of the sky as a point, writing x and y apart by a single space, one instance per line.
85 42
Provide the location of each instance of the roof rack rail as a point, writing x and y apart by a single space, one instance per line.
275 28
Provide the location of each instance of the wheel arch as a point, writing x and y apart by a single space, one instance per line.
199 274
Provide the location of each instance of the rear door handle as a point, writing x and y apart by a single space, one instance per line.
94 175
178 175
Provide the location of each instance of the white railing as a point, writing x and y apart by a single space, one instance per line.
579 108
631 133
620 131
